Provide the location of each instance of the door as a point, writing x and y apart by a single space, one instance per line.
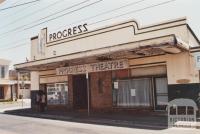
161 93
1 93
80 92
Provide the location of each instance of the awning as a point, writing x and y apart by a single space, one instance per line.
7 82
155 46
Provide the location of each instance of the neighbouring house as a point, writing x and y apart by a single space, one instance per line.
5 83
11 83
21 84
119 67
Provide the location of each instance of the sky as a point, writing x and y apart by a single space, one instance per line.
19 24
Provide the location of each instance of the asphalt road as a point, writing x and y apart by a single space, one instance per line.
10 124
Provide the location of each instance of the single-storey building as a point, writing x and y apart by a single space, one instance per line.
117 67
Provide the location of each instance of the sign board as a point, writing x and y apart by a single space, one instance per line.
68 32
133 92
197 59
116 85
41 43
93 67
183 81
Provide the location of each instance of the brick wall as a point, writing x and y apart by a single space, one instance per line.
101 90
120 74
70 91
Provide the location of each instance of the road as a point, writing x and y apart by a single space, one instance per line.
10 124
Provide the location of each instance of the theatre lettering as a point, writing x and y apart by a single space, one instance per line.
68 32
94 67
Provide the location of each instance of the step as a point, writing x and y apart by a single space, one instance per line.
187 124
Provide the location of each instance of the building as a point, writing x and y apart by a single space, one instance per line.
117 67
21 84
5 88
10 83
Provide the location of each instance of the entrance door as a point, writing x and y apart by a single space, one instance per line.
1 93
161 93
80 91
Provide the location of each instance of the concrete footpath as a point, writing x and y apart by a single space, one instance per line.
148 121
154 120
12 124
14 105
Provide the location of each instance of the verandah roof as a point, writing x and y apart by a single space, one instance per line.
155 46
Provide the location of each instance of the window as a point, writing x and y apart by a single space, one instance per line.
1 93
132 92
2 72
161 91
57 94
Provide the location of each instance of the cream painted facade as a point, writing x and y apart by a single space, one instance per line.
109 40
159 50
179 66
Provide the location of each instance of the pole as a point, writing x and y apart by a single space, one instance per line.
23 91
88 93
23 88
23 97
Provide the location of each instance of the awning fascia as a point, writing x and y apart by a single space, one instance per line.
157 41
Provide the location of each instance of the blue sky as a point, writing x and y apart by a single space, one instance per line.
15 44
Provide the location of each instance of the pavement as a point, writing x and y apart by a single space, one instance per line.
148 121
151 121
14 105
12 124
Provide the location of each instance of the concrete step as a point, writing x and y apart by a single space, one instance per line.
187 124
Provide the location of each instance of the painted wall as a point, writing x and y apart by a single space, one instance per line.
34 80
49 76
179 66
7 92
111 36
6 71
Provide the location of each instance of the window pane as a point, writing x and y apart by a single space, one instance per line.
162 100
57 94
2 72
133 92
161 85
161 91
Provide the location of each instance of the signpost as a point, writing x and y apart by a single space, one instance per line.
23 86
88 92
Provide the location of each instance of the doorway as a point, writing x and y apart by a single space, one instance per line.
80 98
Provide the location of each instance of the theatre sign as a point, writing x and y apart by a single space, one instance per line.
93 67
67 32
